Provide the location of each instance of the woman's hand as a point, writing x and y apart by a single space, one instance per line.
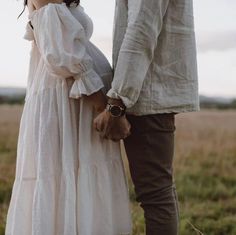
98 100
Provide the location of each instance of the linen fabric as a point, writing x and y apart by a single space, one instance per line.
154 56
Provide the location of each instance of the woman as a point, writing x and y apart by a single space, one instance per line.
69 181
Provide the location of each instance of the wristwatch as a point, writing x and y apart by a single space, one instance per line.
115 110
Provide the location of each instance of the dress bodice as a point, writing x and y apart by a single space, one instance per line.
77 12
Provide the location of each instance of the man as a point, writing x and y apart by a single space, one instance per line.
155 77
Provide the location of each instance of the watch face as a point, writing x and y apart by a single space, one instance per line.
116 111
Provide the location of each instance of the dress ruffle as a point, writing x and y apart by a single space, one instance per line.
85 84
29 33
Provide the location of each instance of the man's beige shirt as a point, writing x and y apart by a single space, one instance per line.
154 56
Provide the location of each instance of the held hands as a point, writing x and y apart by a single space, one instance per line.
110 127
114 128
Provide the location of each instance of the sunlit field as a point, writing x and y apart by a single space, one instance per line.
205 171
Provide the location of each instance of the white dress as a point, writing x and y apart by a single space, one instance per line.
69 181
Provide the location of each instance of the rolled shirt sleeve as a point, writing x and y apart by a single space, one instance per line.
62 41
145 19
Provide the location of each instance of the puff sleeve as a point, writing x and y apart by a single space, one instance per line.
61 41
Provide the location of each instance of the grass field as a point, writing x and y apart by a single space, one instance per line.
205 171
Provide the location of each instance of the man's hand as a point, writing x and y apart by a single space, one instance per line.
114 128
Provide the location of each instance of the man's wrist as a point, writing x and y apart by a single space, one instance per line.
116 110
114 101
115 107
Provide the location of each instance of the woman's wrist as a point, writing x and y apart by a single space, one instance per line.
99 100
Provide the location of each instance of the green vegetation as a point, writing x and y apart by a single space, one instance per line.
207 196
12 99
218 105
205 175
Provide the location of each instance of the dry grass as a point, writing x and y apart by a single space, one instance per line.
206 135
9 125
205 171
205 164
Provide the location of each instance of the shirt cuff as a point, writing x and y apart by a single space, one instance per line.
86 84
126 101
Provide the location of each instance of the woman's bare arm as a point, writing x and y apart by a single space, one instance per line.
40 3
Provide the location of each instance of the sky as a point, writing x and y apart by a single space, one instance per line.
215 31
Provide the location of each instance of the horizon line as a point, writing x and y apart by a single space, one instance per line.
200 93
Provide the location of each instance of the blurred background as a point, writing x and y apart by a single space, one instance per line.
205 158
